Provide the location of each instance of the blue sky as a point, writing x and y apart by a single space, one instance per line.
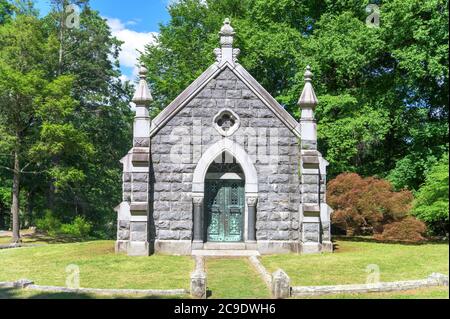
133 21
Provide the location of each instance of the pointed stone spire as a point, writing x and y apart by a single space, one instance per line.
308 102
226 53
308 97
142 121
142 95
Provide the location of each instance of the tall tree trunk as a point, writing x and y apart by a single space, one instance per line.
15 200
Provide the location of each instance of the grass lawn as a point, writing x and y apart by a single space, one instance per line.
425 293
7 293
234 278
228 278
347 265
99 266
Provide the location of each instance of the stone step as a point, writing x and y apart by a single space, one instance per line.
224 246
225 253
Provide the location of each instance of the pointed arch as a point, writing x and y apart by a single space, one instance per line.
241 156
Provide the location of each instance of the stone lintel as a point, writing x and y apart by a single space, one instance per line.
310 153
311 208
311 160
141 159
138 207
310 219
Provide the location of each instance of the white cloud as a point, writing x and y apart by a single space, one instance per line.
133 42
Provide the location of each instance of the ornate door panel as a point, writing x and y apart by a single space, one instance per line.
225 210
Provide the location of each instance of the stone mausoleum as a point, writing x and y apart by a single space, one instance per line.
224 170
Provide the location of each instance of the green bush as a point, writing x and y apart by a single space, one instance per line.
431 204
79 228
49 224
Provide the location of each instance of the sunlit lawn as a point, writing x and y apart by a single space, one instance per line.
234 278
99 267
348 264
425 293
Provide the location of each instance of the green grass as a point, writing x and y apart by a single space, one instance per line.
234 278
347 265
425 293
99 266
7 293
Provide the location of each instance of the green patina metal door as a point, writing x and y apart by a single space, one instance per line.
224 201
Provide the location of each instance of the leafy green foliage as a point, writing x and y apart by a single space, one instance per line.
49 224
383 91
431 205
64 110
79 228
6 11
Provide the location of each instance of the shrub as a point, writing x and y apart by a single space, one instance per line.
79 228
431 205
48 224
409 229
363 205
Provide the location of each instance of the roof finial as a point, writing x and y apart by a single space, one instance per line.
143 72
308 97
226 53
308 74
142 96
227 34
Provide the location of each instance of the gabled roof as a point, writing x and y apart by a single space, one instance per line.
226 58
202 81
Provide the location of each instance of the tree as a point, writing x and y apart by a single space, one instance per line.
90 55
21 85
6 11
35 110
431 204
365 205
383 91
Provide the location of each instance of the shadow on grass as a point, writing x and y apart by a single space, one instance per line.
367 239
11 293
43 239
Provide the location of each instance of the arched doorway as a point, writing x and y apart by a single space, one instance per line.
239 180
224 204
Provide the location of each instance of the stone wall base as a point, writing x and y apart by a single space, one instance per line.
121 246
278 247
327 247
173 247
138 248
185 247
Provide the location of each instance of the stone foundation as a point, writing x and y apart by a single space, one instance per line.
186 247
